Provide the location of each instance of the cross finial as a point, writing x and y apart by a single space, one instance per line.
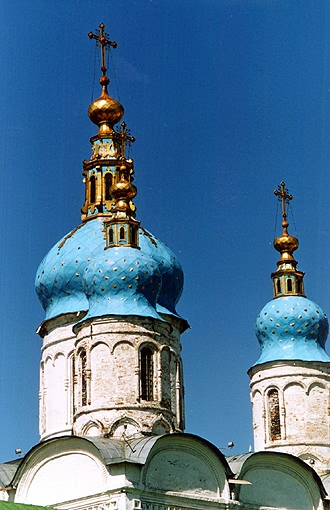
285 197
125 137
101 40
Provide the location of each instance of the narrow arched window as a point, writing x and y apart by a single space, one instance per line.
133 235
122 234
107 185
110 235
289 284
273 405
179 391
83 378
73 389
146 373
278 284
299 286
92 189
165 359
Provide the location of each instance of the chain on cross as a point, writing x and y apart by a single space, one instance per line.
102 40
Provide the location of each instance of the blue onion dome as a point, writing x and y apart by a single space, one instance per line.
78 274
109 265
290 327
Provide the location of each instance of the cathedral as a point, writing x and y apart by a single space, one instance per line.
111 415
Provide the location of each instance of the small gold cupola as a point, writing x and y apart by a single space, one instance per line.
288 280
105 111
108 174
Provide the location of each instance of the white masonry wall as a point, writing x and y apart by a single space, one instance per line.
300 423
114 405
104 396
56 378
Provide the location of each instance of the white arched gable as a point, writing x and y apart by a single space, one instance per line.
281 481
256 393
185 465
93 428
61 470
125 426
295 384
316 386
161 426
121 342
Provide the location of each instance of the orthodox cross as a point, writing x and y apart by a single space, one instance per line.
125 137
285 197
101 40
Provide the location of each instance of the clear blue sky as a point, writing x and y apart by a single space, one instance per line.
226 98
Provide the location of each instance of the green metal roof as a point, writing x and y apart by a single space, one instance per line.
9 505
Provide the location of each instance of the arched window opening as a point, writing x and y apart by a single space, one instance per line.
289 284
110 235
83 378
165 359
179 396
133 235
73 381
92 189
107 185
299 286
274 415
278 285
146 373
122 233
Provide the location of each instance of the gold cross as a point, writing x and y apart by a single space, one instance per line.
125 137
101 39
284 196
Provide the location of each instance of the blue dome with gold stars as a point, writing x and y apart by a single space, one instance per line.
109 265
79 274
292 327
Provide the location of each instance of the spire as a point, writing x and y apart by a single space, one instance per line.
108 175
287 279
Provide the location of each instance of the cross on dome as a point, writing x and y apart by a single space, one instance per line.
101 40
285 197
105 111
288 280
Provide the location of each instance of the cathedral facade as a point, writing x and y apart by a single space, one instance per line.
111 377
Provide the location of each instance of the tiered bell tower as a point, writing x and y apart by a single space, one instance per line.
111 356
290 382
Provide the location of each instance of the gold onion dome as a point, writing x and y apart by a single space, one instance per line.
123 188
105 111
286 245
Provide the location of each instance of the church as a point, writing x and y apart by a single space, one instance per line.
112 414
